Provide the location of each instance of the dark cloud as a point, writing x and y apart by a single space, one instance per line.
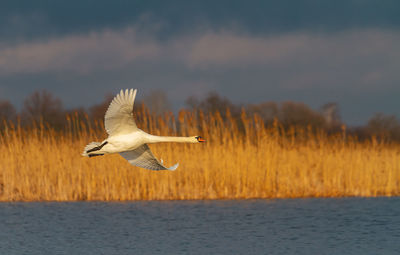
36 19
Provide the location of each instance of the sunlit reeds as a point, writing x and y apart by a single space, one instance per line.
241 159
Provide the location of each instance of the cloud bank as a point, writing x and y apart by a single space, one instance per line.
78 53
304 66
368 55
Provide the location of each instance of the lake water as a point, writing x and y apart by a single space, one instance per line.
284 226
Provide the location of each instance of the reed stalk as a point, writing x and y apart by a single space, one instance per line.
242 159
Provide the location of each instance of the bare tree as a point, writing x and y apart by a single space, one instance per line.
330 111
7 112
299 114
157 101
97 111
267 111
42 106
214 103
384 126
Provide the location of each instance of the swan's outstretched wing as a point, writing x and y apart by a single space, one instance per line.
119 117
143 157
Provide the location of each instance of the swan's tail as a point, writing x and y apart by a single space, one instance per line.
91 149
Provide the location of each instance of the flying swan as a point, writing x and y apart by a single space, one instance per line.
125 138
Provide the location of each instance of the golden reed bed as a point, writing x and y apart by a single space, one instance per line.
240 160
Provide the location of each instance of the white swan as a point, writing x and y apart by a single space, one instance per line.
127 139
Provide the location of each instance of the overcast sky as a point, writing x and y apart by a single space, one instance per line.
248 51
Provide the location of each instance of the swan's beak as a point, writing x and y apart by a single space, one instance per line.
200 139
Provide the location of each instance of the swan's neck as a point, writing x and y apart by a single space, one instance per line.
176 139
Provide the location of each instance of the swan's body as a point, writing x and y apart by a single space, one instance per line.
127 139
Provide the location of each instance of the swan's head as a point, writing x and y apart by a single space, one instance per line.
200 139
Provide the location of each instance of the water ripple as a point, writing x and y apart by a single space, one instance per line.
293 226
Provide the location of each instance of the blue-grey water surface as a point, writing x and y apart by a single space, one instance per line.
287 226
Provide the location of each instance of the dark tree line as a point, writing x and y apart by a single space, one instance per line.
44 107
289 114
